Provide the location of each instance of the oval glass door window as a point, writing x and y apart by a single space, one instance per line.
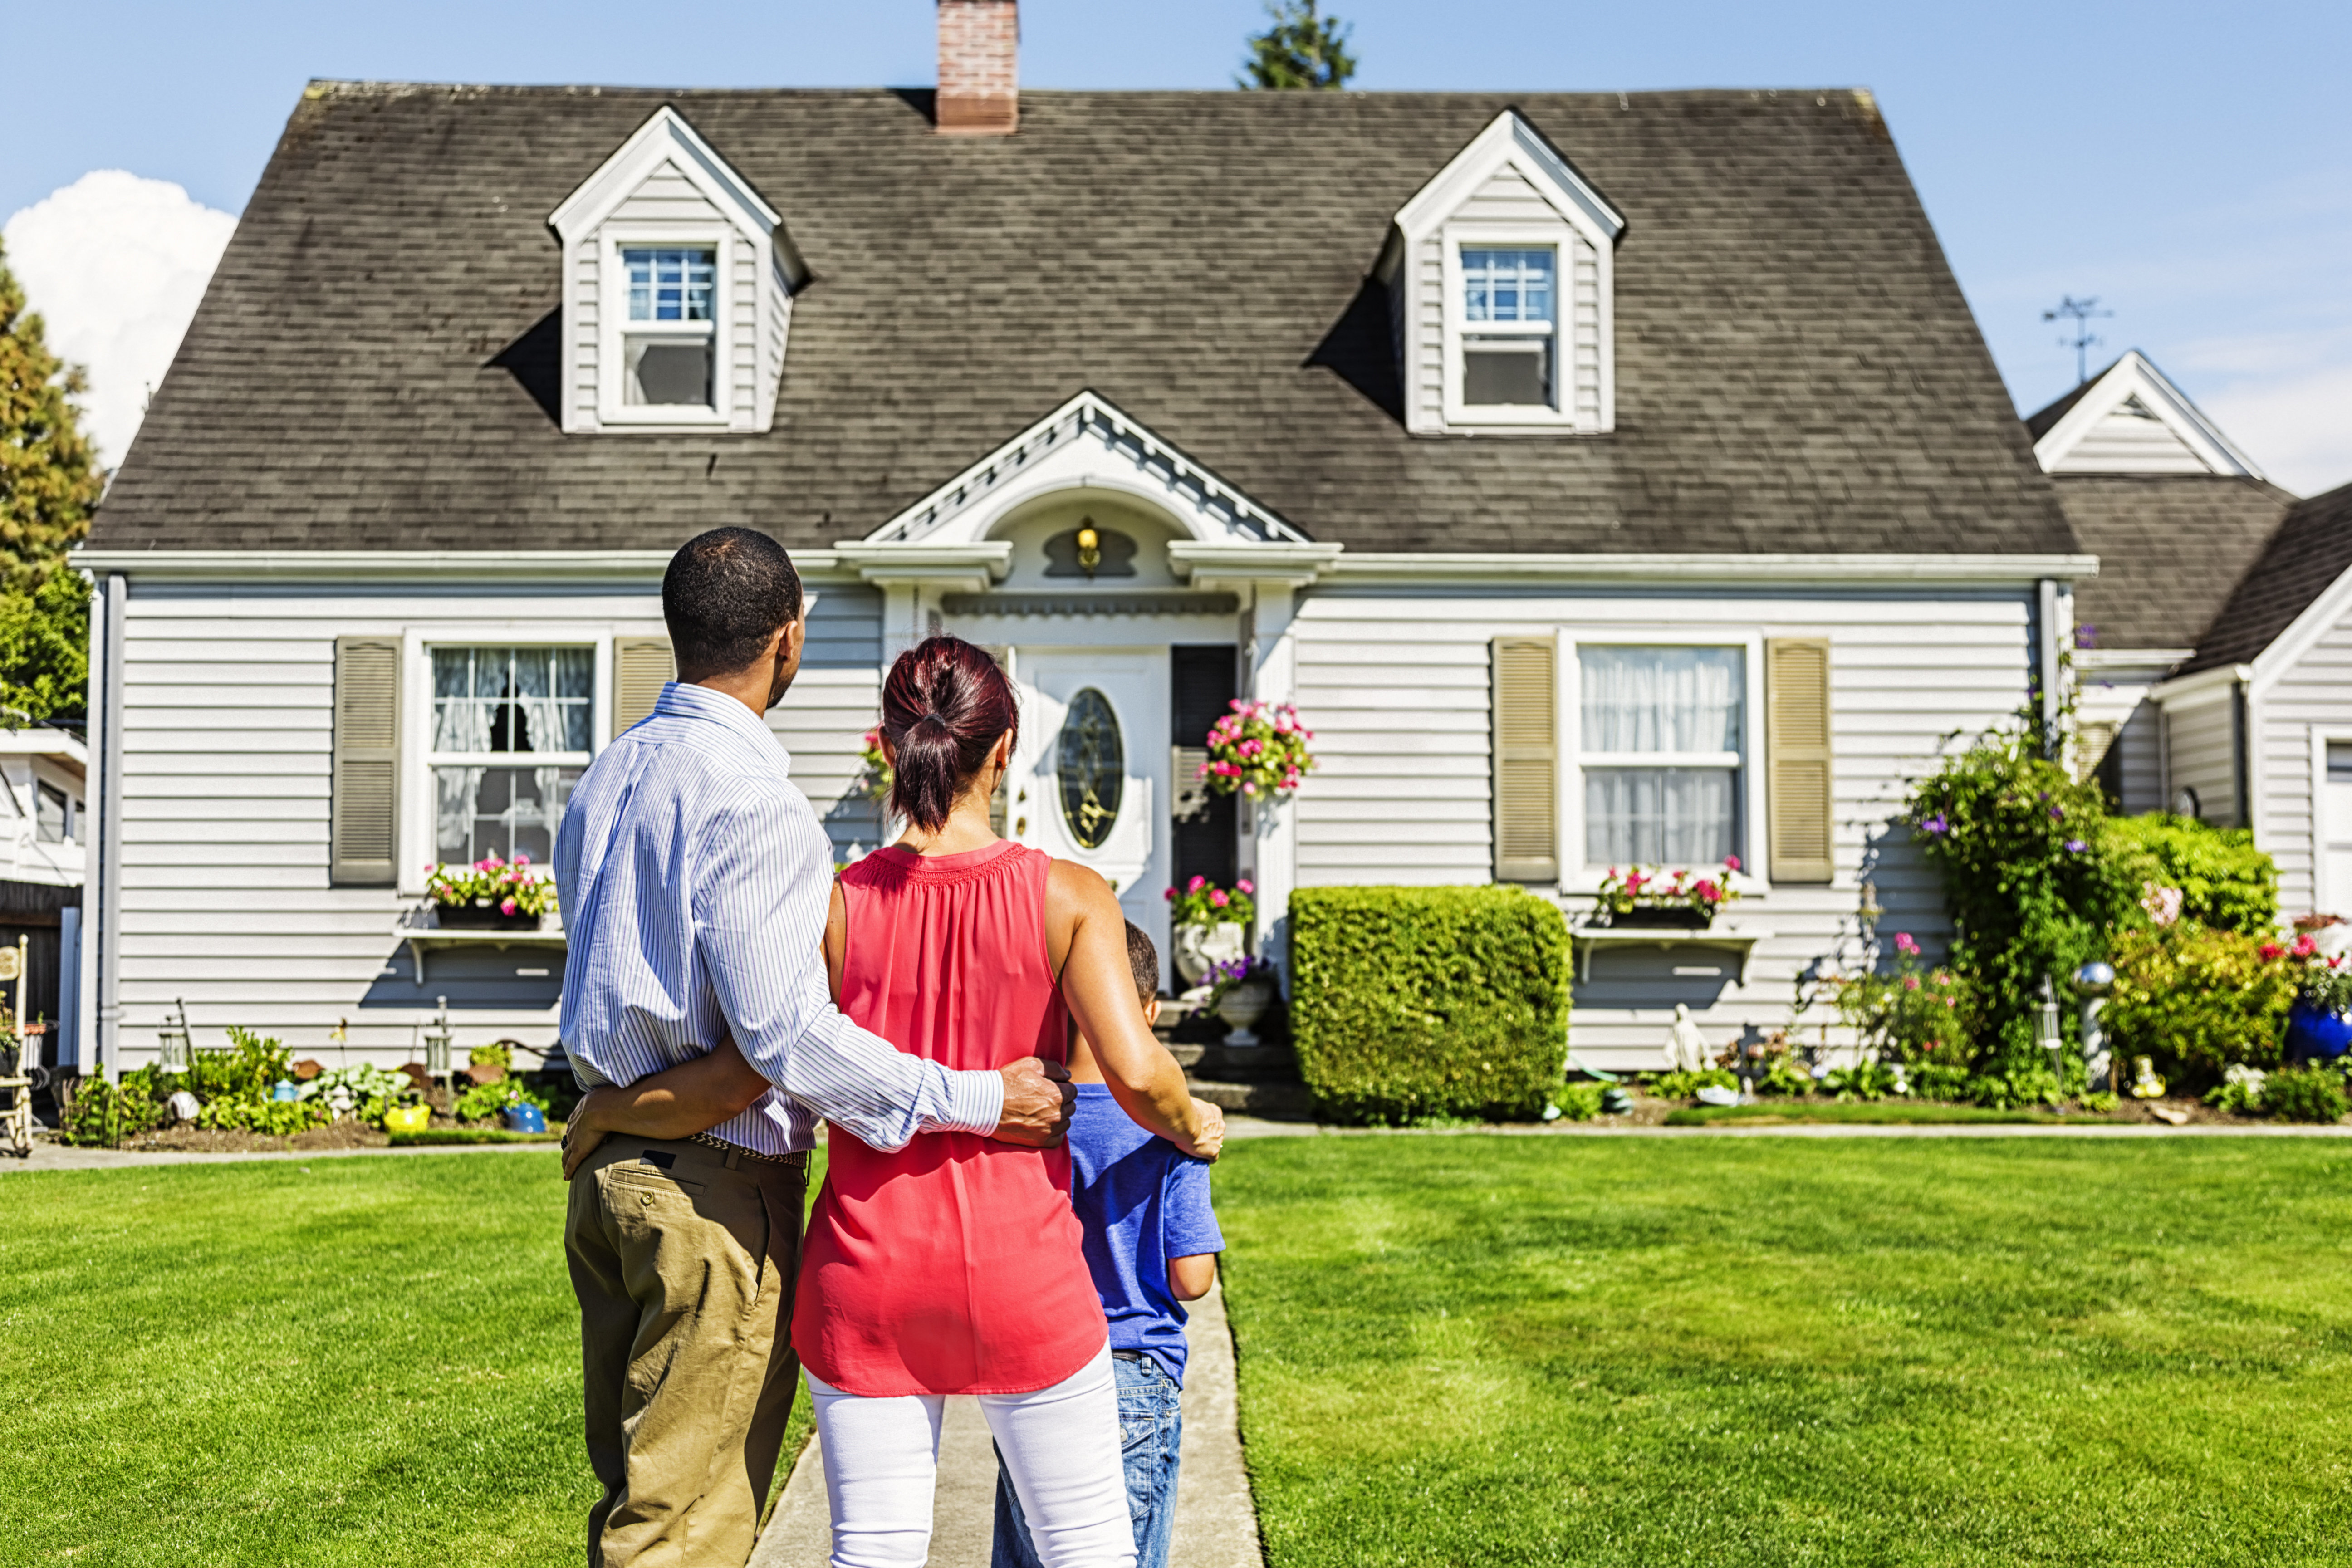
1092 767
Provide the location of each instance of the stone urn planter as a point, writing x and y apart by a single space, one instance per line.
1199 947
1243 1004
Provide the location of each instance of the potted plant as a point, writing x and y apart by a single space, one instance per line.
2319 1024
1259 749
493 894
1677 898
1211 924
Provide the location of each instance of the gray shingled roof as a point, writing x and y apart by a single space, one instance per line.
2171 547
1796 368
2310 550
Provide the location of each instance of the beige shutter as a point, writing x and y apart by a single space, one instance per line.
1526 761
365 811
1797 743
641 668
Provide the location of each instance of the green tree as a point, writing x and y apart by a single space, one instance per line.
49 481
1301 49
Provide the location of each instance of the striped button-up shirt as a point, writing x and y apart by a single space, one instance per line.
695 880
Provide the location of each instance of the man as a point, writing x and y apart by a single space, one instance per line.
694 880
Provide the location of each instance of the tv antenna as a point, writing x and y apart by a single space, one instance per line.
2081 312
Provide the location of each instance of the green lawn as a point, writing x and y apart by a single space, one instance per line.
1455 1350
1472 1349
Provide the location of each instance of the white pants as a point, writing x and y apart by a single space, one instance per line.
1059 1445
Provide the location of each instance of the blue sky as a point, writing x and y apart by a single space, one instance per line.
2190 164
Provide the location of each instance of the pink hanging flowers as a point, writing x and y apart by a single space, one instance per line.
1258 748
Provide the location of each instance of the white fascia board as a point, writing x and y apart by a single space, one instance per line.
2205 686
969 568
1831 571
330 566
1219 565
2107 660
39 742
2136 374
2319 617
666 137
1508 139
1086 444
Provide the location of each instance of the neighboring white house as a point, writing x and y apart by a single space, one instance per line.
1607 477
43 853
2215 663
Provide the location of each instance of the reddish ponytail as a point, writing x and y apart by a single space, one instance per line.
943 706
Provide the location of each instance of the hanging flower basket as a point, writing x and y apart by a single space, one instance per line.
1258 749
1679 898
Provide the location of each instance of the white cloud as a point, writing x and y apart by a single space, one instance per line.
115 265
2297 426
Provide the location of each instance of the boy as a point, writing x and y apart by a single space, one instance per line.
1151 1242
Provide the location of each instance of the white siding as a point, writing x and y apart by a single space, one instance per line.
2308 704
1425 373
1507 197
2131 440
2115 693
1395 686
666 196
227 728
583 322
2200 748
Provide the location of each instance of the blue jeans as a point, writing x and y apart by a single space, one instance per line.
1150 1428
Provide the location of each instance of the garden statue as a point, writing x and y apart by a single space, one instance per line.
2146 1085
2092 983
1686 1047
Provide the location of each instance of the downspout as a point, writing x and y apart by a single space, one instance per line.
2053 699
2240 752
109 831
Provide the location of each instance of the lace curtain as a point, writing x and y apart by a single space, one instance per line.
1672 701
507 702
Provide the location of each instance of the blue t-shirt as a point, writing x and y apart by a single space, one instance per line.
1141 1202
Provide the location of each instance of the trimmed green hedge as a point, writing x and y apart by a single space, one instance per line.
1414 1002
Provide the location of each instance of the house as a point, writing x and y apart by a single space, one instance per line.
43 856
2215 654
1606 477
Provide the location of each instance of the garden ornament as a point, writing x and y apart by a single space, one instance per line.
1686 1047
172 1040
408 1119
339 1100
2046 1032
2092 983
181 1105
526 1116
436 1042
285 1092
2146 1085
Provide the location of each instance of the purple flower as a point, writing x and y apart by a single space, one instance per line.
2075 846
2087 636
2057 813
1936 826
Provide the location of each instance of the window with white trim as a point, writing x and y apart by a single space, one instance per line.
1661 746
1509 327
511 733
668 346
53 813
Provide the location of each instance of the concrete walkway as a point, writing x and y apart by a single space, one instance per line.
1216 1523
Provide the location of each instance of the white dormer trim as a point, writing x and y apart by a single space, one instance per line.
2062 449
757 270
1086 444
1421 266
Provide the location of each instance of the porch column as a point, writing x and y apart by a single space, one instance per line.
1271 660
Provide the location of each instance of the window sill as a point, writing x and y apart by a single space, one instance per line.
423 939
1742 939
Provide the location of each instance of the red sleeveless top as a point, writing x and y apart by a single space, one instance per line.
955 1265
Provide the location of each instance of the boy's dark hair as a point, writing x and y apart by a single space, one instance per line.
724 595
1143 963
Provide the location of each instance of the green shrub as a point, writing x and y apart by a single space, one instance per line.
2015 838
487 1101
104 1114
248 1069
1579 1102
2224 881
1685 1085
275 1117
1917 1016
2197 1001
1414 1002
2305 1094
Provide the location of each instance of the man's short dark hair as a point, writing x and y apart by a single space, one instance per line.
725 594
1143 963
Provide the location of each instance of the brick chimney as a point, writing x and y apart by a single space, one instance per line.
979 79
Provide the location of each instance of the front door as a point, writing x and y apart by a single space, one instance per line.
1090 781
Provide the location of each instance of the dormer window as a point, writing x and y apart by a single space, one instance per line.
1509 328
1501 281
677 291
667 345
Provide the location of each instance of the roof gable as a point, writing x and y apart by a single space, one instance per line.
2300 585
664 148
1509 147
2131 419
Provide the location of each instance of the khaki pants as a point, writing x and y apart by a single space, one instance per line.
684 1258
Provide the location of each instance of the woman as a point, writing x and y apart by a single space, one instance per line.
953 1266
